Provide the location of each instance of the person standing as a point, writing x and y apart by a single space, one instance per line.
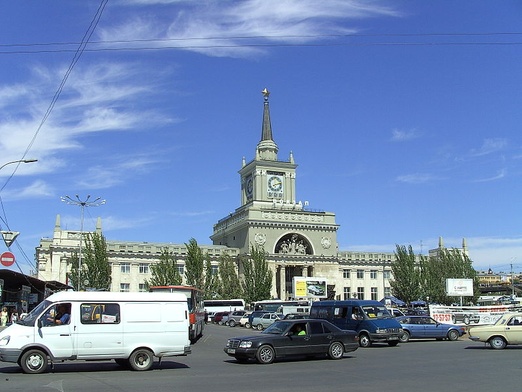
4 316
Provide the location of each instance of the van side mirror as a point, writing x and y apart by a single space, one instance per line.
39 323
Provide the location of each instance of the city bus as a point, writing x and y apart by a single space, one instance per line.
195 306
213 306
276 305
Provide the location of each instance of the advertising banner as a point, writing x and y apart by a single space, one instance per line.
459 287
469 315
310 287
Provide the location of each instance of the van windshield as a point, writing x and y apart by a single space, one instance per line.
376 312
30 319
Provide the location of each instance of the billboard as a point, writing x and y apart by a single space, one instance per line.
310 287
459 287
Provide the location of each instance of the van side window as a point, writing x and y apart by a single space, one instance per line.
340 312
100 313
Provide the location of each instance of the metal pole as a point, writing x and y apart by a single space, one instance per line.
82 203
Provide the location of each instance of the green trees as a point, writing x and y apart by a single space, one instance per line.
95 271
427 278
256 284
450 264
229 284
258 277
406 277
165 272
194 265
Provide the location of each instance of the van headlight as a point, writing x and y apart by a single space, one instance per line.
245 344
5 340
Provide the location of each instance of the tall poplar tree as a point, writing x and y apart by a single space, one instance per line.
165 272
406 277
194 265
257 283
96 272
230 286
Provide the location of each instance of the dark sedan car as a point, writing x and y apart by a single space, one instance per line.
287 338
425 327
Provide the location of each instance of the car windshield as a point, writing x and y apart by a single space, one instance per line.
375 311
35 313
277 328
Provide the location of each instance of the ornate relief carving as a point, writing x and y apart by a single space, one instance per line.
293 244
260 238
326 242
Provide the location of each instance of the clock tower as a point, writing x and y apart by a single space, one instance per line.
295 237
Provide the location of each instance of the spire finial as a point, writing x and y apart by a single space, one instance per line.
266 94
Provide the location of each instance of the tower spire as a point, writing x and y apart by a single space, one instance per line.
266 148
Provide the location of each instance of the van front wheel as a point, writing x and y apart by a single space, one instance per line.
34 362
141 359
364 340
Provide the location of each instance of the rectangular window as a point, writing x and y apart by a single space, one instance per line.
100 313
373 274
387 291
181 269
142 287
144 268
374 294
125 268
215 270
386 274
346 293
360 274
360 292
346 273
124 287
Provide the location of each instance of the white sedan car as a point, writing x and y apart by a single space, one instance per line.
507 330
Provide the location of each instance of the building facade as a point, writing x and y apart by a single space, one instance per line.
299 241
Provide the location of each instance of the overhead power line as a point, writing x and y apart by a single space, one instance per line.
188 42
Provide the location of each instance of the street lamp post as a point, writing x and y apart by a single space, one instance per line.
19 161
82 203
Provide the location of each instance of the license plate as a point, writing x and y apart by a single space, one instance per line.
393 338
231 351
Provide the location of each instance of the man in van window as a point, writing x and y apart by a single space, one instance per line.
356 313
62 315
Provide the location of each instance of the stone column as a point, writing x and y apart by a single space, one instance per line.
282 283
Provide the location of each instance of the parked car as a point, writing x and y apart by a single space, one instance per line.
281 339
252 315
234 317
218 317
265 320
244 320
425 327
507 330
315 290
295 316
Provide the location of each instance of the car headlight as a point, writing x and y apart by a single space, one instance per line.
245 344
5 340
380 330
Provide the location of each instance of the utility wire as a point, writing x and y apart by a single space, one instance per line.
34 46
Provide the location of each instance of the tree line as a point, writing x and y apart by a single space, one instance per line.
426 279
254 284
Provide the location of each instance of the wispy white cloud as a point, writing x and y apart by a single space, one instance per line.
489 146
399 135
501 174
417 178
35 190
240 28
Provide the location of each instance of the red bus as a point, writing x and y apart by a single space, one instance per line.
195 306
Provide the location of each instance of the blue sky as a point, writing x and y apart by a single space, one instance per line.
404 117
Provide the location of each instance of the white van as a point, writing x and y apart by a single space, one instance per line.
131 328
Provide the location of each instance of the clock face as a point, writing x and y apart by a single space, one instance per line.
275 183
275 186
249 186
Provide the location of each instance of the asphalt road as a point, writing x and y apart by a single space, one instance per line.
417 365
